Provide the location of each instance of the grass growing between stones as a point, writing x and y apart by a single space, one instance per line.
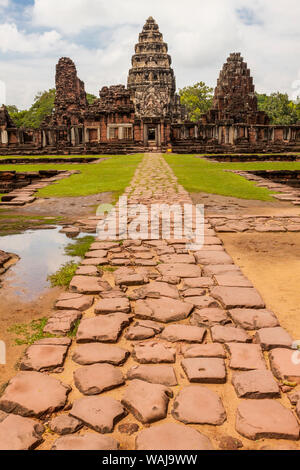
80 246
111 175
64 275
200 175
28 333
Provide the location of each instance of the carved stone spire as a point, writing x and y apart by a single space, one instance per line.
70 95
151 79
234 98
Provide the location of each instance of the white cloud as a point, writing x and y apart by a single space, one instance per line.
200 36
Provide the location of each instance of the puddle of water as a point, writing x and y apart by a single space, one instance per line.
41 253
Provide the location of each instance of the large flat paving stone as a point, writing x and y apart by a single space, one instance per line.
73 301
157 289
137 333
155 374
285 364
276 337
106 328
212 257
88 285
18 433
232 280
34 394
99 413
256 419
203 350
255 384
188 333
199 405
175 259
179 270
202 301
253 319
62 321
92 353
147 402
153 352
198 282
229 334
163 310
232 297
215 269
88 441
96 254
209 317
65 424
130 279
43 357
205 370
105 306
246 356
97 378
171 436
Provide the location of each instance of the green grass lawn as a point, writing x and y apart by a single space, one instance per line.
111 175
199 175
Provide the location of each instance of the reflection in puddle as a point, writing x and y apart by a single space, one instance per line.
41 253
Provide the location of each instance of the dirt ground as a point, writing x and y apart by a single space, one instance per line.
15 311
66 207
272 262
223 205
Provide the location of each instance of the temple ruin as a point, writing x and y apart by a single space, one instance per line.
147 114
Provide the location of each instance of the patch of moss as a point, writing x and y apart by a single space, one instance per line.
64 275
80 246
28 333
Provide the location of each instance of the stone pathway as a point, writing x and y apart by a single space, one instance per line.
174 350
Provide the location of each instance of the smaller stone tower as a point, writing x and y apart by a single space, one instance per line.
70 99
234 98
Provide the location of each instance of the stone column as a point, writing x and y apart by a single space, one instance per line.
120 133
86 135
158 136
44 140
196 132
231 132
145 135
99 134
73 136
4 137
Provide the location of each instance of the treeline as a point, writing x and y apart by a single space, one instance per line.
198 99
42 106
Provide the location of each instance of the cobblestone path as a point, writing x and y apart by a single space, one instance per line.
174 350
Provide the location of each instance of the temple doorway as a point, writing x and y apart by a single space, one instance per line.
152 134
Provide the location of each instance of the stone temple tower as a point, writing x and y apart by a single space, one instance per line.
234 98
151 79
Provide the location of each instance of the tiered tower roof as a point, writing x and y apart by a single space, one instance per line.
151 79
234 98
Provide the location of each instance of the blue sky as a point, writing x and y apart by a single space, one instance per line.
100 36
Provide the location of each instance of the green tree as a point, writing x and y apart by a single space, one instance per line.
33 117
279 108
197 99
90 98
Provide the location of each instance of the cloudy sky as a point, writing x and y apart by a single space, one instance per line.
99 35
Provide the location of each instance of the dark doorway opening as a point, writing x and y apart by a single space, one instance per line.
152 133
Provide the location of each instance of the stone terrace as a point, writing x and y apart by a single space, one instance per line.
174 350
